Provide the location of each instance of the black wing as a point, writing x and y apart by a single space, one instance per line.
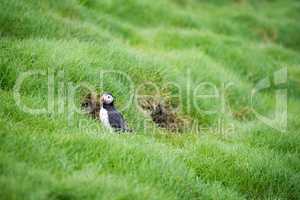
116 120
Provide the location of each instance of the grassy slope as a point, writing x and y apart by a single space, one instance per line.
43 157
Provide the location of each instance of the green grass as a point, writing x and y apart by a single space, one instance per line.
59 155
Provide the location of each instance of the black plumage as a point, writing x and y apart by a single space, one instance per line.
115 118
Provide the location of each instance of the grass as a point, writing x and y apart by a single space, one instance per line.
175 45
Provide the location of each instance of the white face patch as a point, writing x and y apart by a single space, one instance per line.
104 117
107 98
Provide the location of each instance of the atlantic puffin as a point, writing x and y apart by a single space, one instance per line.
109 116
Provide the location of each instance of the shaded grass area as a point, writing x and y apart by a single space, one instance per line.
53 156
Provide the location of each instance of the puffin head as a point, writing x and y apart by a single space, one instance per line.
107 99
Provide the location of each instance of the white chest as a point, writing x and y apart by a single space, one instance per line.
104 117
